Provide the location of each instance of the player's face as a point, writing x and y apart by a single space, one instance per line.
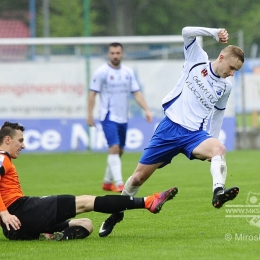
115 55
15 144
229 65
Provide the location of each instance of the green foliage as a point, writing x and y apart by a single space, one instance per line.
170 17
141 17
188 227
99 18
66 19
251 25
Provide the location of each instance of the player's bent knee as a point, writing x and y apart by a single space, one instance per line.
219 149
114 149
87 223
84 222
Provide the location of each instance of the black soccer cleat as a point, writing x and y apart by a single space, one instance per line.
221 196
108 225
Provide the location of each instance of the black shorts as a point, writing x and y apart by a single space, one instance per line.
40 214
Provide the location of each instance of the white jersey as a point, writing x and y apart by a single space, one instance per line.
199 91
115 87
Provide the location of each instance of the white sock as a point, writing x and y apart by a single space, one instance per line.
114 163
108 176
129 189
218 171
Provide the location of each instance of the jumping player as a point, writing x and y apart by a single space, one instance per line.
201 92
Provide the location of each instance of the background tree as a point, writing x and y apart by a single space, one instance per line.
251 25
141 17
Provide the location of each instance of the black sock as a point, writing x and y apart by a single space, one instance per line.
75 232
117 203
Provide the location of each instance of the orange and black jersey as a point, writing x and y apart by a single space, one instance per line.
10 188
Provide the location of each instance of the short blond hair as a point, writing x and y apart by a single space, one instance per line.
234 51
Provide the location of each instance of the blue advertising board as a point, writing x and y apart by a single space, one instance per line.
65 135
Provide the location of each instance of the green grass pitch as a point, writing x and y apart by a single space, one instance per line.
188 227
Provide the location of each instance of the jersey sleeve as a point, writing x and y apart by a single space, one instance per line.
97 80
5 165
134 84
2 205
2 168
192 49
218 114
216 122
222 102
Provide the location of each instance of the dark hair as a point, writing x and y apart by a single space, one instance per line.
8 129
115 44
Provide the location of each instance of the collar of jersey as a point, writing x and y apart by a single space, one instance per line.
211 70
6 153
113 67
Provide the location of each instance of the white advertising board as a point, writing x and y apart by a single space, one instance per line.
43 90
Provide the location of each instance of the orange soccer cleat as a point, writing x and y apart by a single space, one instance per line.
109 187
119 188
155 202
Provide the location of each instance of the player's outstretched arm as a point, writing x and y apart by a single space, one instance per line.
190 32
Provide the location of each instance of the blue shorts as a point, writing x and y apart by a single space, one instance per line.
169 140
115 133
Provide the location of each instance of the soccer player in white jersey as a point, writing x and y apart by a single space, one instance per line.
114 82
201 92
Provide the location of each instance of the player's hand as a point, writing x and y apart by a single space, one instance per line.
223 36
90 121
10 220
148 116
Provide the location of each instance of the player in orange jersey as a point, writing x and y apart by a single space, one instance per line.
49 217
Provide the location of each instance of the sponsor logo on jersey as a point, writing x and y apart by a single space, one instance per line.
203 95
219 91
204 72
